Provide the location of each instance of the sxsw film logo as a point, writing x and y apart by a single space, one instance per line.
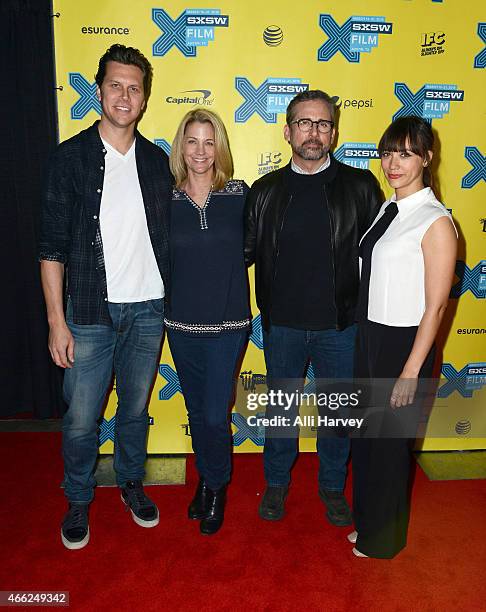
480 59
432 43
87 100
268 161
470 378
357 154
470 279
192 29
478 163
429 102
358 34
163 144
268 99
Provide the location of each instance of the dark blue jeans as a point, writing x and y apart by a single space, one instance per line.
287 352
207 370
130 348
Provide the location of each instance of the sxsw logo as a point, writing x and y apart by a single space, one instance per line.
429 102
268 99
192 29
357 35
480 59
163 144
357 154
470 279
470 378
87 100
478 163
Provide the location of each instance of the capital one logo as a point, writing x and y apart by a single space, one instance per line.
358 34
470 378
478 163
429 102
192 29
357 154
87 100
480 59
268 99
470 279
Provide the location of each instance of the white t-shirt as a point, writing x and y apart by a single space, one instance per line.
132 274
397 280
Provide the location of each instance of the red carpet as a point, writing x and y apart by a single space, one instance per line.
301 563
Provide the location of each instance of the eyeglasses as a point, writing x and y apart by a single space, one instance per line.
323 126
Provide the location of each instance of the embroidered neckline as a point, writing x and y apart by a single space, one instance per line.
203 221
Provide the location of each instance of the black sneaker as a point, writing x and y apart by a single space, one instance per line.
144 512
272 507
338 511
75 527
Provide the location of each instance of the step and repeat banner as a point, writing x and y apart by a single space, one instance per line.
246 60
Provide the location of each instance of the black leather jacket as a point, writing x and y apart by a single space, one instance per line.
353 200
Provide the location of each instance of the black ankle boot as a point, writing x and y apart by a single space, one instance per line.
199 507
215 516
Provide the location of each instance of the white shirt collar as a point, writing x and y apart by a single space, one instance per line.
299 170
407 205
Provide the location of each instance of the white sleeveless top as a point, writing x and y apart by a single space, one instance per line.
397 286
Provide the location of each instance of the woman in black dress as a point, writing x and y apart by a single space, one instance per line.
407 266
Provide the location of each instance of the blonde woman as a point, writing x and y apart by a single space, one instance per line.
207 315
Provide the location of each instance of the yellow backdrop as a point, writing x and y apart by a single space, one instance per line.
245 60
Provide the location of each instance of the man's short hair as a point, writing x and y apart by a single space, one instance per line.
306 96
129 56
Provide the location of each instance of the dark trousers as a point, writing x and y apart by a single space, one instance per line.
207 369
287 351
381 458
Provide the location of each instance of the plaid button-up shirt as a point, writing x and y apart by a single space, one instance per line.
70 225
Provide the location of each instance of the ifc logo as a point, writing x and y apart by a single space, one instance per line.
272 36
463 427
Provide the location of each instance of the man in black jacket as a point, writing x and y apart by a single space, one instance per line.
303 226
104 220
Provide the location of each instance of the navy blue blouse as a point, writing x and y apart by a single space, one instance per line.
209 284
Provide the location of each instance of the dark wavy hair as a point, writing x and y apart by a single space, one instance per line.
414 132
126 55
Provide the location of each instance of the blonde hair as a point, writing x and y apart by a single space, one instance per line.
223 160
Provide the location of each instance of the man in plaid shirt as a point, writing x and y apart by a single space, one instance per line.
105 226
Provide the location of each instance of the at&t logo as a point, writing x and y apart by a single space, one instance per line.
358 34
357 154
268 99
429 102
192 29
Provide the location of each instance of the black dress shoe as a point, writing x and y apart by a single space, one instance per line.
338 511
272 507
199 506
215 516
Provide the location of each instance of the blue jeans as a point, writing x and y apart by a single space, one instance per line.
287 352
130 348
207 370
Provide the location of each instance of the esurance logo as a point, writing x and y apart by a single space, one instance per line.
358 34
357 154
268 99
429 102
192 29
470 378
